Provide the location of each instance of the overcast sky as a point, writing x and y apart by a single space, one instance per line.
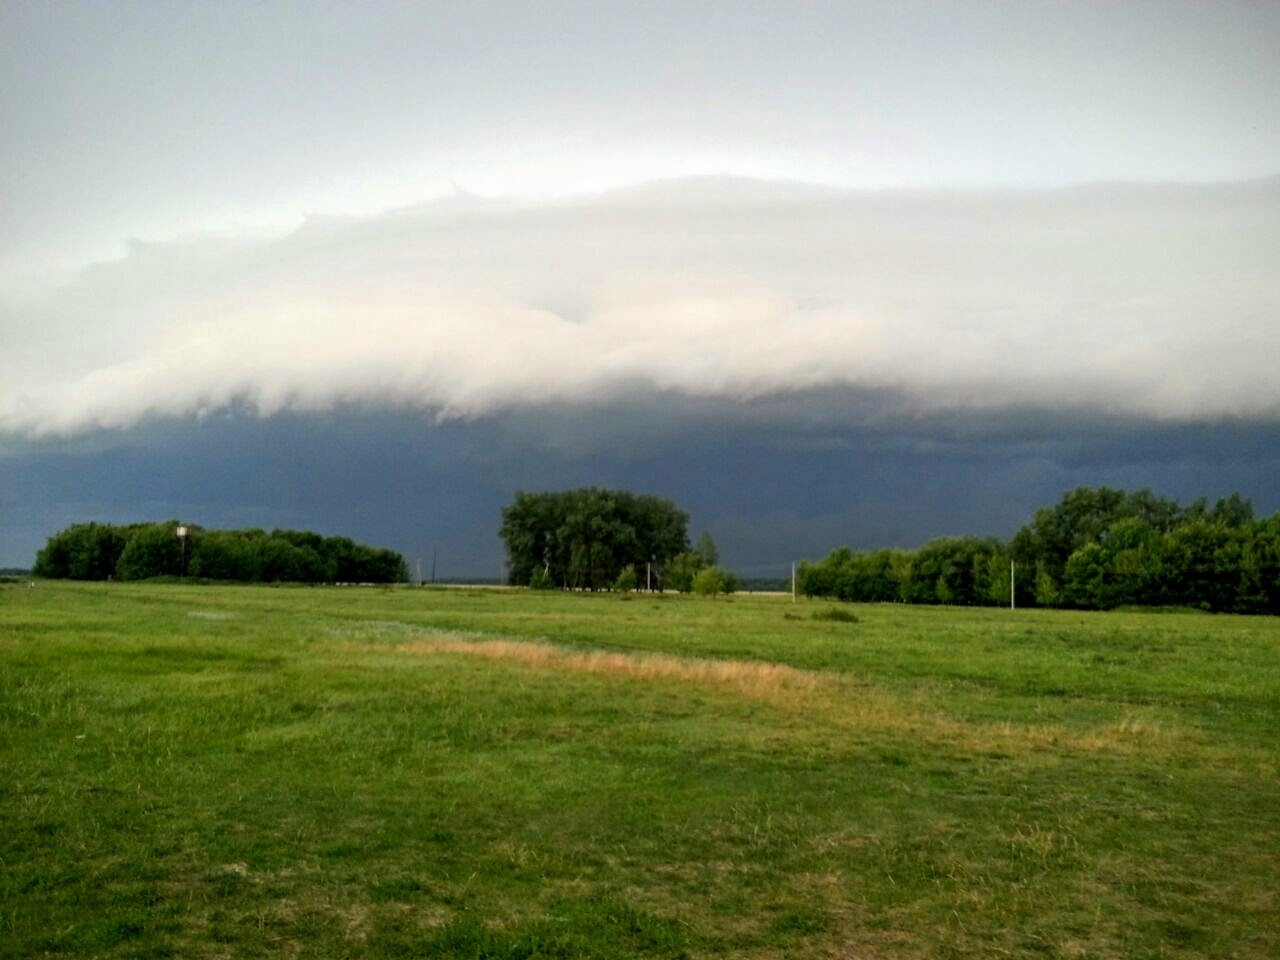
974 248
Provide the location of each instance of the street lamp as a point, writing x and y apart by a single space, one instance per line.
182 539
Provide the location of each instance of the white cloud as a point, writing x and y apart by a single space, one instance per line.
1146 301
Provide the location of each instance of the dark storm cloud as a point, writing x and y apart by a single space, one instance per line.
769 489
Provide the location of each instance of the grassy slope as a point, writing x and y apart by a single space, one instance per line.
203 772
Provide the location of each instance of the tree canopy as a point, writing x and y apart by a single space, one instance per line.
1097 548
584 539
98 551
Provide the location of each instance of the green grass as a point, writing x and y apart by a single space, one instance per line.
196 771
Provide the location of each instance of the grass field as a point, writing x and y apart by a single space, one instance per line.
236 772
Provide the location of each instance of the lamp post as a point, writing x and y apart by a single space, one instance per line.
182 539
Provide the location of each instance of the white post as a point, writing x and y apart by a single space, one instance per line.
648 576
1012 587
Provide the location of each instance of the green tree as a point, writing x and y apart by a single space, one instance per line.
1192 568
706 550
1264 565
729 582
84 551
221 555
1233 511
868 578
153 550
96 551
1047 593
1132 556
995 578
955 568
1084 515
900 569
1085 582
710 581
832 576
582 539
679 573
1095 549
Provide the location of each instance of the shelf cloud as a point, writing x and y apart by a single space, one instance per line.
1143 301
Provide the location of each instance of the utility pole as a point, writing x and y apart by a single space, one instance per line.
1012 586
793 581
419 571
648 576
433 564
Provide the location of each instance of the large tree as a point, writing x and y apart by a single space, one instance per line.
583 539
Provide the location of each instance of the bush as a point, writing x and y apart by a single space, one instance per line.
626 581
835 615
710 581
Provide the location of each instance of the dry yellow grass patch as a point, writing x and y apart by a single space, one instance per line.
837 700
773 682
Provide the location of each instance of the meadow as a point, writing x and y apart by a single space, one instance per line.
198 771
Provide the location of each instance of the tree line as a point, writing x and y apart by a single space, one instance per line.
102 551
595 538
1098 548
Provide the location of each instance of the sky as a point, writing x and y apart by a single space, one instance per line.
853 273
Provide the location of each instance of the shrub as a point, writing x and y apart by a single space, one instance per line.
626 581
835 615
710 581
